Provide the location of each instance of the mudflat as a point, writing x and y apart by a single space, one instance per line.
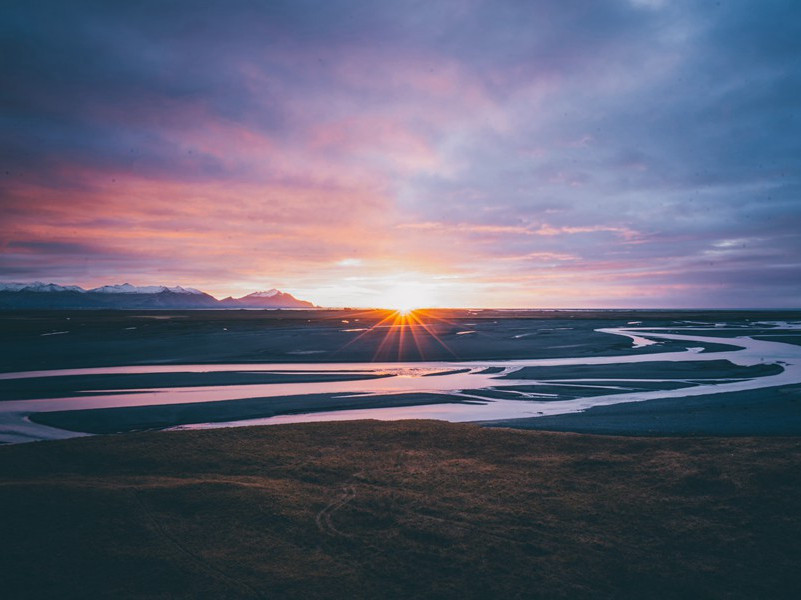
405 509
68 339
138 370
770 412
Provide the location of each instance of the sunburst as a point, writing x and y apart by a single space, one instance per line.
407 332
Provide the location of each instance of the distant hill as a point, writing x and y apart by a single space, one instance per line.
270 299
16 295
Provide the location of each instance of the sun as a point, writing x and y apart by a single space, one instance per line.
407 298
405 326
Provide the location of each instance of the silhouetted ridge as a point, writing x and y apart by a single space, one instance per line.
17 295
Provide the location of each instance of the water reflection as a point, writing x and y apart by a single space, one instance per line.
462 380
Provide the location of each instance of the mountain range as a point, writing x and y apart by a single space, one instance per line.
15 295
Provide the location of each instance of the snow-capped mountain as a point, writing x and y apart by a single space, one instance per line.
267 294
127 288
38 295
38 286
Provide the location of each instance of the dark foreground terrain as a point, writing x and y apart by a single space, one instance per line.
400 510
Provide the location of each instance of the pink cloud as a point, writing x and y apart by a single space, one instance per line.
543 230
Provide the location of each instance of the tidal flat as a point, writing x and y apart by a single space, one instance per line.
90 338
692 491
118 371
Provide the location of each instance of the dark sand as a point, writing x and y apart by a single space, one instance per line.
114 420
571 392
109 338
86 385
710 369
400 510
412 509
764 412
137 418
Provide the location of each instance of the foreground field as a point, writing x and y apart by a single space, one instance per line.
399 510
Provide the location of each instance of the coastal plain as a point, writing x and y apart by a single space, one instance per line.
685 496
117 371
43 339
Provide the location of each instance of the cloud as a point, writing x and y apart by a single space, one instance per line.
248 143
350 262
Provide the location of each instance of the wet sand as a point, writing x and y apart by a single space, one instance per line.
411 509
766 412
563 365
137 418
114 420
87 385
109 338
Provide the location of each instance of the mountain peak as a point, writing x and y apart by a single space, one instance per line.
38 286
128 296
267 294
127 288
270 299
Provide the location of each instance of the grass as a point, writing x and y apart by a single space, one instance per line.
414 509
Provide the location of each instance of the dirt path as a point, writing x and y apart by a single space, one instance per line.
323 518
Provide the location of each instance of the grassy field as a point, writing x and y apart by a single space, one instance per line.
400 510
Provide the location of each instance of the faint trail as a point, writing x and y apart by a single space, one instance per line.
192 555
325 524
323 518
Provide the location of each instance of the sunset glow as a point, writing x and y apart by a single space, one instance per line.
404 332
323 148
403 299
407 298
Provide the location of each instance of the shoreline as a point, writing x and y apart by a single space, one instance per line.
767 412
564 392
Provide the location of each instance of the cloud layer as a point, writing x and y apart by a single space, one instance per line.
549 153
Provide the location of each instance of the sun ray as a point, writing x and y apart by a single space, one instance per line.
432 334
415 337
368 330
407 334
404 322
391 332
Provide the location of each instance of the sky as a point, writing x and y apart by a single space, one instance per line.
543 153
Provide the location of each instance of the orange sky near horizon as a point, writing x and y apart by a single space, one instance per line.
620 153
